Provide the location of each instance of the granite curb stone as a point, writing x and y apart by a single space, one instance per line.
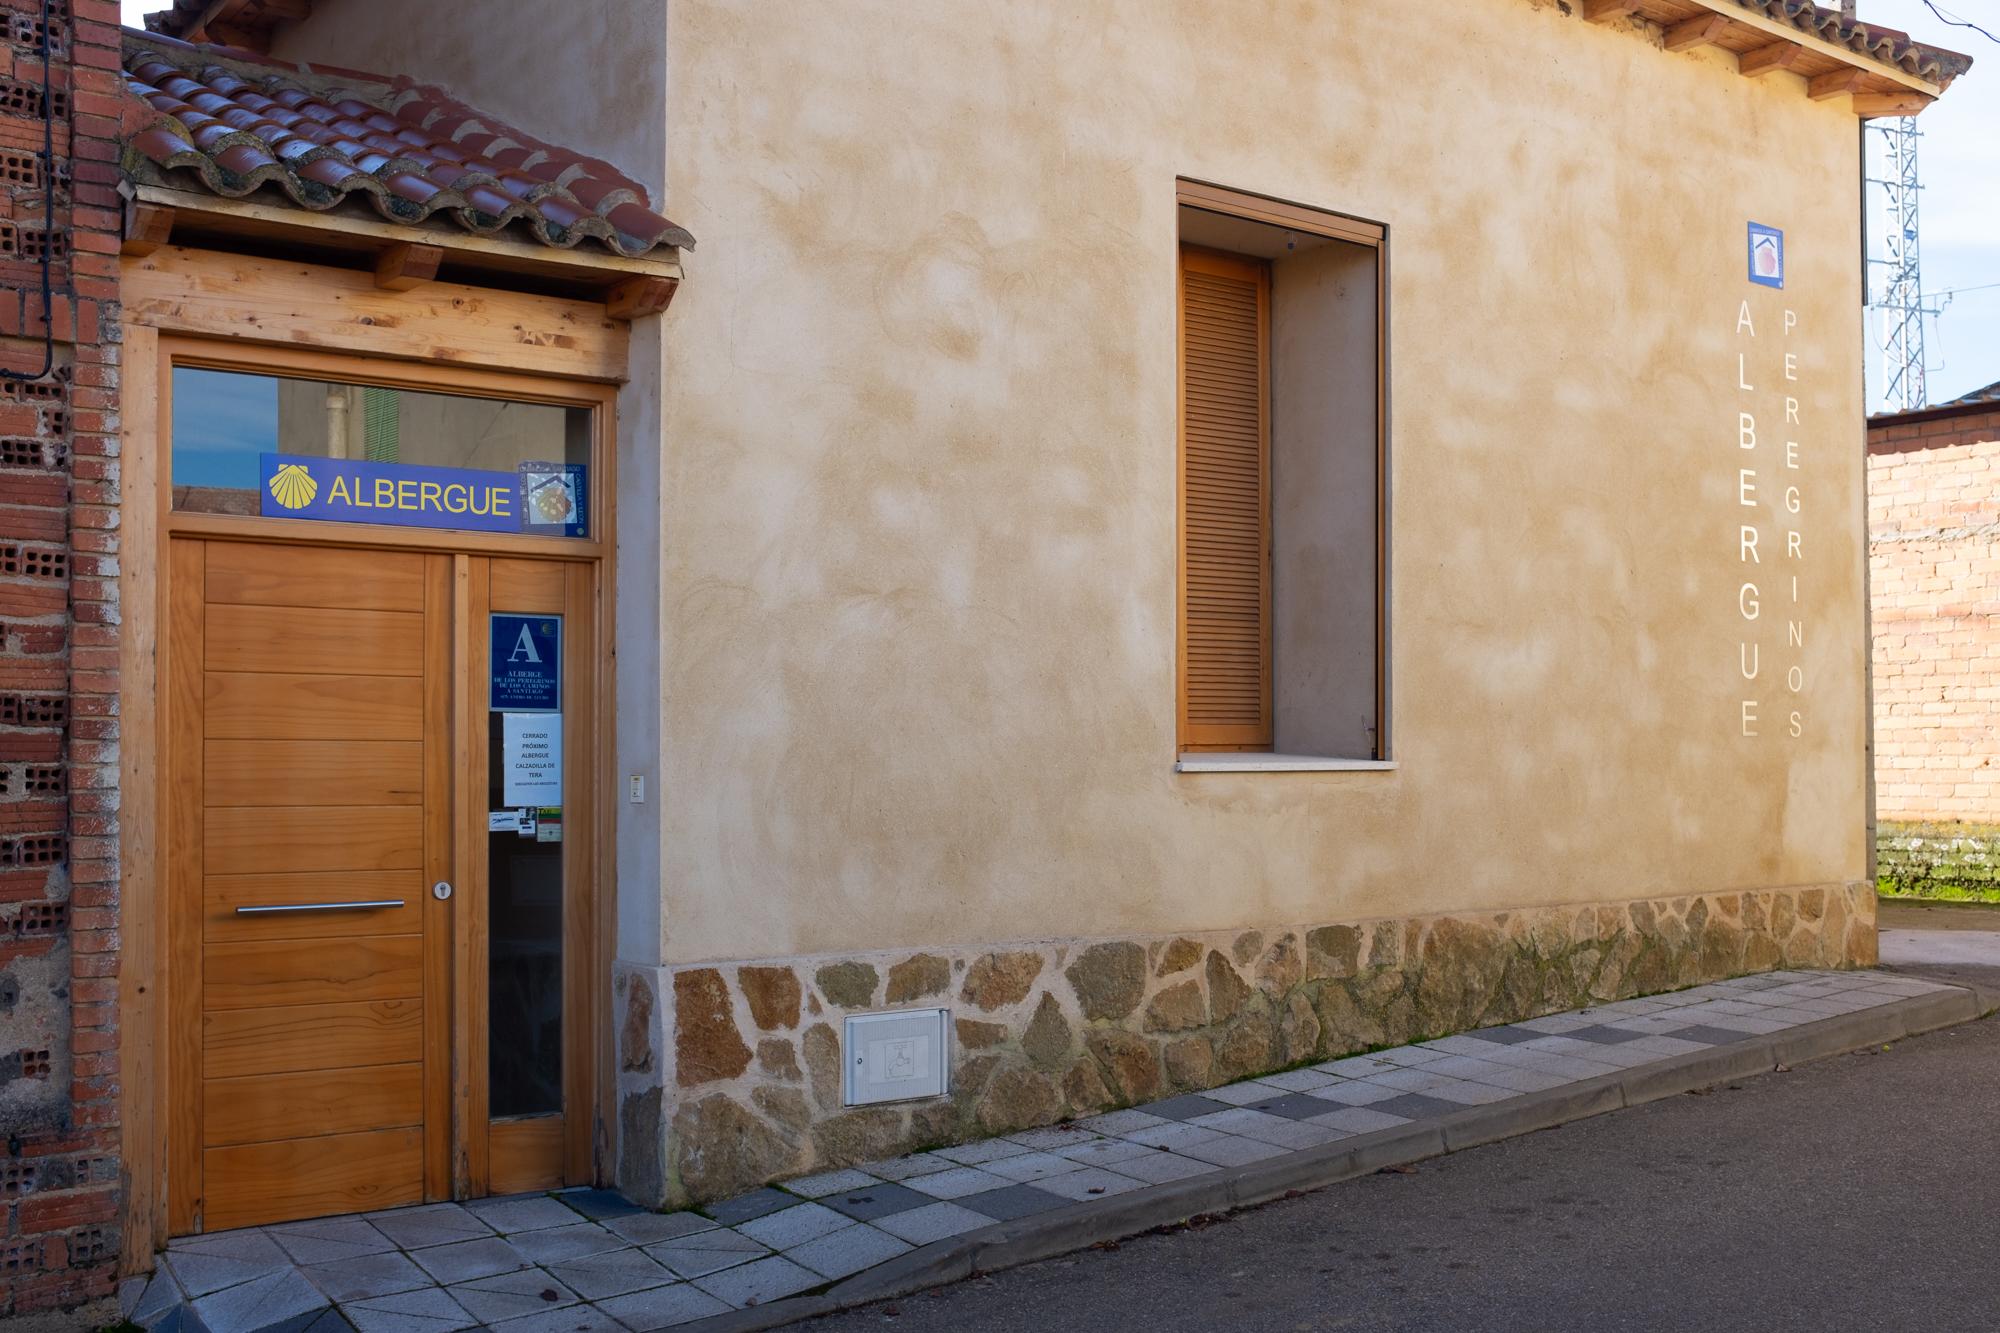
1936 1009
1697 1069
1532 1111
1868 1027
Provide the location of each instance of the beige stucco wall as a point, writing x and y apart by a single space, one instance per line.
916 491
919 480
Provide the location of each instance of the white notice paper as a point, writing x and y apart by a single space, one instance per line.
531 758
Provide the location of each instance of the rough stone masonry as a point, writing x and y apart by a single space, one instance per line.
730 1075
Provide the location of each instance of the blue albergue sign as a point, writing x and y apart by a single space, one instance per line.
526 664
538 498
1767 256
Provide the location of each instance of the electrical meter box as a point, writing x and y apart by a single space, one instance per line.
896 1057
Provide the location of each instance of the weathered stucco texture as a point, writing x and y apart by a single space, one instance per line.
1048 1030
918 486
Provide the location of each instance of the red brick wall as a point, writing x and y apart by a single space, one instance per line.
59 1176
1934 552
1953 427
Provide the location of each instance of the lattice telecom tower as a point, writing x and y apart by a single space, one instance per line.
1900 301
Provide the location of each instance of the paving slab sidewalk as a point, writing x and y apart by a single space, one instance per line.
583 1260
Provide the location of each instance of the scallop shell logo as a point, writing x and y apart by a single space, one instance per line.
293 487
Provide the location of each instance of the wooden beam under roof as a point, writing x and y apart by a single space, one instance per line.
1812 41
1836 83
147 227
1603 11
635 298
1890 104
244 23
433 252
1775 56
219 13
406 266
1701 30
1763 44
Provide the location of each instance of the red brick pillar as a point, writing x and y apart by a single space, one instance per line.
59 1177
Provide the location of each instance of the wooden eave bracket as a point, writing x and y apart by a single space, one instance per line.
1775 56
1603 11
1836 83
147 227
403 267
635 298
218 13
1701 30
244 23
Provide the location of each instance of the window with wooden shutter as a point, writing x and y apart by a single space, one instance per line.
1225 623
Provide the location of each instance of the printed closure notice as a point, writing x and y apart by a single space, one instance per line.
531 759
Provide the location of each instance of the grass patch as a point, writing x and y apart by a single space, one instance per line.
1933 862
1891 889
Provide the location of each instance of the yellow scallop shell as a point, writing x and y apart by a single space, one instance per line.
293 487
552 502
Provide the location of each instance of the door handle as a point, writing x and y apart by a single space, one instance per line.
266 909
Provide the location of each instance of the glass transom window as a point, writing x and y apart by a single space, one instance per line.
325 451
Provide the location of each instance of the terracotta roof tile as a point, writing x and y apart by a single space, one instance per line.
234 123
1889 46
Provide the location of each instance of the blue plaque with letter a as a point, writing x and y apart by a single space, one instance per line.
526 664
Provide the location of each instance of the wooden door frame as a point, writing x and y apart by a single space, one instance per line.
161 334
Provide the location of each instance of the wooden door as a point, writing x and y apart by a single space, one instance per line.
378 995
309 799
530 1003
339 745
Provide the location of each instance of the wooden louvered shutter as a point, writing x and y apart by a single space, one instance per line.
1225 629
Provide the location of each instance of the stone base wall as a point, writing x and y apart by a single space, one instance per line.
1951 861
730 1074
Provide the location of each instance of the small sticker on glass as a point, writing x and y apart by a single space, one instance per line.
554 499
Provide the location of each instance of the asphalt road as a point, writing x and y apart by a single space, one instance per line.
1861 1192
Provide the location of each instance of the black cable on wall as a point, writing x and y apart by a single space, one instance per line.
48 156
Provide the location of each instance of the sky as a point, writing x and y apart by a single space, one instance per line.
221 423
1960 210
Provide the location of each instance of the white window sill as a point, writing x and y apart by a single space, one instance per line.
1255 762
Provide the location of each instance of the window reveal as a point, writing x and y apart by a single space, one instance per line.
1282 635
